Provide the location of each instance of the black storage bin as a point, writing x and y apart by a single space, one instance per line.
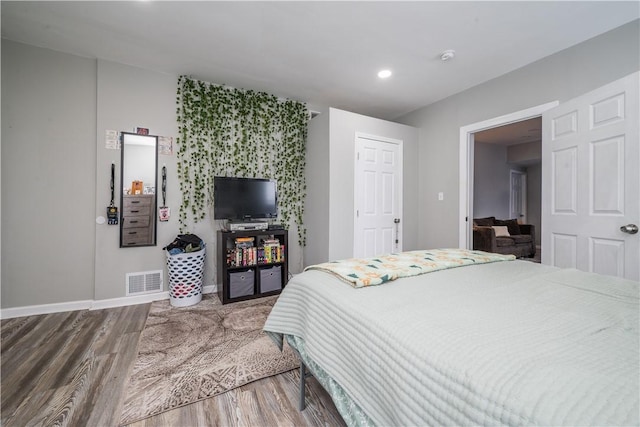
241 283
270 279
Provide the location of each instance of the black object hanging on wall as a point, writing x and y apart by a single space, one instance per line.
163 212
112 210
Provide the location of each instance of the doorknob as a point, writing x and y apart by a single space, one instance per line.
629 228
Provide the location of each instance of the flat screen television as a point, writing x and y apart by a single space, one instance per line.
244 198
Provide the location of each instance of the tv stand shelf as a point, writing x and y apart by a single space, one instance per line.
251 263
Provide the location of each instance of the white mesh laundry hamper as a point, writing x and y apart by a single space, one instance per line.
185 277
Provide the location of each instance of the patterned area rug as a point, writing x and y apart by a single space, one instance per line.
192 353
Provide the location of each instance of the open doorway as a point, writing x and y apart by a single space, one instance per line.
507 176
468 135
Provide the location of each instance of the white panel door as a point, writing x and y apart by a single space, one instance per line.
378 197
591 183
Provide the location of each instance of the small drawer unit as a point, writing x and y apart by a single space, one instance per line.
251 263
137 220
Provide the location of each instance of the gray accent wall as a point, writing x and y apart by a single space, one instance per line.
48 176
130 97
561 77
56 171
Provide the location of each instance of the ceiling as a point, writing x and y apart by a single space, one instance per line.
514 133
323 53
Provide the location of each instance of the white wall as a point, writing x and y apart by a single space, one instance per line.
48 176
562 76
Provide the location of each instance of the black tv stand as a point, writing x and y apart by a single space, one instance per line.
260 270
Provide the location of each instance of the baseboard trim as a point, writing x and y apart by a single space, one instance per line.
209 289
34 310
130 300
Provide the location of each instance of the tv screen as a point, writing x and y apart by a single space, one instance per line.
244 198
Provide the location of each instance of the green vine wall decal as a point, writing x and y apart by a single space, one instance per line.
224 131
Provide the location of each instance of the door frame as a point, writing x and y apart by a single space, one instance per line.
467 146
356 181
523 190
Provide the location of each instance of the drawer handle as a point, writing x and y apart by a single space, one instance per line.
133 232
135 211
135 201
133 222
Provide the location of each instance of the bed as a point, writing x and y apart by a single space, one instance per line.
506 342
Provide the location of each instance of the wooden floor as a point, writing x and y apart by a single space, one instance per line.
70 369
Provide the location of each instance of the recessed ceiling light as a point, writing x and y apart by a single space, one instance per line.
447 55
384 74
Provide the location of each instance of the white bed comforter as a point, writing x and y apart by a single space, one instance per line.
512 343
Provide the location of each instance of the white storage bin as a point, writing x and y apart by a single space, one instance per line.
186 271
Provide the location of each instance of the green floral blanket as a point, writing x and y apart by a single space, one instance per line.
362 272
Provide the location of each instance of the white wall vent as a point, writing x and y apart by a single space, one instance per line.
144 282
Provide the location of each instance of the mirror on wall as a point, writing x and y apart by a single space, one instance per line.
139 178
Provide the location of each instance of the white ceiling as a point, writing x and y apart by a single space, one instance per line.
324 53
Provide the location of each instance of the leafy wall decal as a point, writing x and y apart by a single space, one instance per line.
224 131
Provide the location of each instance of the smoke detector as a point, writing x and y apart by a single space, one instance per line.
447 55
